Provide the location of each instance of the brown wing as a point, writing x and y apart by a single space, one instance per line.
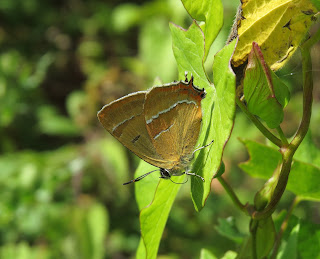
173 117
124 119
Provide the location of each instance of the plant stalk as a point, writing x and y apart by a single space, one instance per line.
288 152
232 194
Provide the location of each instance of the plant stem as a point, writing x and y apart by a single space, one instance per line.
253 231
307 92
282 136
259 125
283 228
288 152
232 194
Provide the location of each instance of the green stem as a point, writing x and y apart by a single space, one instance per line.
282 136
232 194
259 125
288 152
283 228
307 92
253 231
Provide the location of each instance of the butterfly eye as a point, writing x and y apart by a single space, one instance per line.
165 174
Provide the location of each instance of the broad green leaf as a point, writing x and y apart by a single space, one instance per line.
188 50
227 228
146 188
284 24
309 240
265 94
304 178
218 117
308 152
154 217
97 224
149 194
218 107
141 251
211 13
206 254
291 248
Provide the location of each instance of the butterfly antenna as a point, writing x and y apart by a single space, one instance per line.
140 177
203 147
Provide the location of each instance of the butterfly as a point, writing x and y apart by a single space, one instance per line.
161 125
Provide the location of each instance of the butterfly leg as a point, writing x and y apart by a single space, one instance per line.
187 173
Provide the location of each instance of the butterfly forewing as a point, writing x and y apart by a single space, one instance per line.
124 119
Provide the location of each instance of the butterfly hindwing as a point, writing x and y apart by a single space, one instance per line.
173 119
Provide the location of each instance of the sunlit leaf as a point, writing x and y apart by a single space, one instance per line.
218 107
218 118
206 254
303 180
265 94
227 227
229 255
154 217
210 12
290 249
284 24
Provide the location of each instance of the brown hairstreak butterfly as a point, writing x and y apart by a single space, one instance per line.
161 125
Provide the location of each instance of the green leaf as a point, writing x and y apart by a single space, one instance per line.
309 240
210 12
188 50
145 189
218 117
141 251
218 107
227 228
304 178
308 151
284 24
154 217
229 255
291 247
97 223
265 94
206 254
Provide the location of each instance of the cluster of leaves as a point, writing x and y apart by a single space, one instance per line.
260 93
61 174
61 178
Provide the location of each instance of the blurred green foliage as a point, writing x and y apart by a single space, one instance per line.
61 174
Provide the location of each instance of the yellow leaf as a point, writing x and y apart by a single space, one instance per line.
278 26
